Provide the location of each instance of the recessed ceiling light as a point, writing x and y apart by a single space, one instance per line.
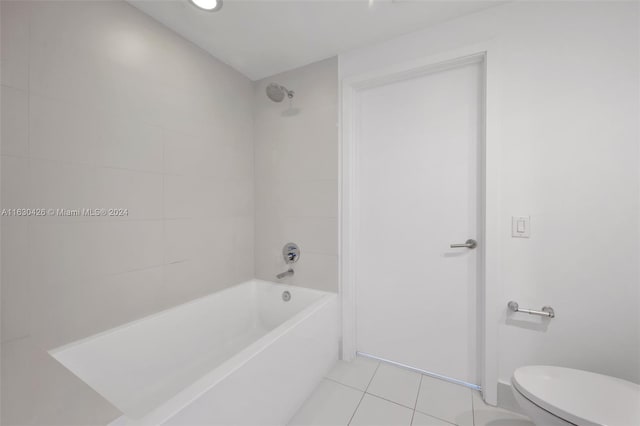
208 5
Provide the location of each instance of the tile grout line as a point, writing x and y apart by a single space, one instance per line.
356 410
343 384
368 393
98 165
473 410
415 405
163 214
363 394
438 418
29 225
372 376
383 398
417 396
388 400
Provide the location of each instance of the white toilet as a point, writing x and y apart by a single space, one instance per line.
557 396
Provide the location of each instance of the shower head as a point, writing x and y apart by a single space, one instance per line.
276 92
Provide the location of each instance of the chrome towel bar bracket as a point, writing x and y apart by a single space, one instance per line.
546 311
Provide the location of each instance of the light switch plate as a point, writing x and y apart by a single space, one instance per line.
520 226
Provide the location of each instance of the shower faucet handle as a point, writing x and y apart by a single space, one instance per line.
291 252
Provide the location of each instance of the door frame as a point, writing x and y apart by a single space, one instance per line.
489 281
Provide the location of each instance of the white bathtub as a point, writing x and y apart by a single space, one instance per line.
241 356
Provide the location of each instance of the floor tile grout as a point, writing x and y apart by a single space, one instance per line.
378 396
344 384
388 400
433 417
473 409
366 409
356 410
436 417
372 376
415 405
364 393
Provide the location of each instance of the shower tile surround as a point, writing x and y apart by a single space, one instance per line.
105 108
296 170
102 107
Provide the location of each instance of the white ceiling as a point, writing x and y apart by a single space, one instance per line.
261 38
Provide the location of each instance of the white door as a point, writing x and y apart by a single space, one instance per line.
418 193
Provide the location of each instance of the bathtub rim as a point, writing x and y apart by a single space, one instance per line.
173 405
52 352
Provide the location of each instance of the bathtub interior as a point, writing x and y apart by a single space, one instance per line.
140 365
272 310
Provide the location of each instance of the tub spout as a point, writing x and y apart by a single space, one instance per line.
281 275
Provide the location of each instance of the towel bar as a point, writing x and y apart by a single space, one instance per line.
546 311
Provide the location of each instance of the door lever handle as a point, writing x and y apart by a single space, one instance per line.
470 244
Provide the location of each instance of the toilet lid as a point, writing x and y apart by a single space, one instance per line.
580 397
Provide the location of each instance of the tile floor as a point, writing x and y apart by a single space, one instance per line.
368 392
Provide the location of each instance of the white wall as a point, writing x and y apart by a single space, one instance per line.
569 134
296 170
104 107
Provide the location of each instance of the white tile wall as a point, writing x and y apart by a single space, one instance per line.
15 121
296 170
103 107
14 40
15 304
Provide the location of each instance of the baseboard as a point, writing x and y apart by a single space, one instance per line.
506 400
